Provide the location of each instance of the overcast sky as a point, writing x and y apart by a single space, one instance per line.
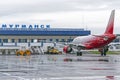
88 14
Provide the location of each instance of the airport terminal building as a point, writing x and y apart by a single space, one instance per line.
40 35
13 37
31 35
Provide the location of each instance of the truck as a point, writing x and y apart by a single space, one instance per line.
52 50
23 51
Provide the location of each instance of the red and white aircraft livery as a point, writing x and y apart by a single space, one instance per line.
94 41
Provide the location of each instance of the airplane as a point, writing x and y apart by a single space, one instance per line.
99 42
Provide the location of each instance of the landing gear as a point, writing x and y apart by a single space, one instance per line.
103 53
79 53
104 50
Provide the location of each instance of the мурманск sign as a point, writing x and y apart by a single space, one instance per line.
24 26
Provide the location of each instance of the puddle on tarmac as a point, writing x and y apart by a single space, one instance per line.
55 67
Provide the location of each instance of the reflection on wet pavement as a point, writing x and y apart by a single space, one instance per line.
60 67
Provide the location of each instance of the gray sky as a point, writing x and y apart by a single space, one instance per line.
88 14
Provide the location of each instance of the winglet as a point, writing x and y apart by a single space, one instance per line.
110 26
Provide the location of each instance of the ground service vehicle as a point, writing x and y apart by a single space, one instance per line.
52 50
23 51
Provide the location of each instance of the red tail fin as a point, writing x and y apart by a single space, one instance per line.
110 26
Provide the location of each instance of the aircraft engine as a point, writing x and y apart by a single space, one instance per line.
67 49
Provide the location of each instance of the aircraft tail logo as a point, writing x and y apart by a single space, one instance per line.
110 26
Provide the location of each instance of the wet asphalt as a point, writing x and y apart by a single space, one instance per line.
60 67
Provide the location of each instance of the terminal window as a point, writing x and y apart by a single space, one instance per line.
57 40
5 40
22 40
32 40
12 40
63 40
51 39
70 40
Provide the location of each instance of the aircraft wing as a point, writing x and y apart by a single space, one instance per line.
104 37
82 46
99 36
96 35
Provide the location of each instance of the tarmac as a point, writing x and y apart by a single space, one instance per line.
60 67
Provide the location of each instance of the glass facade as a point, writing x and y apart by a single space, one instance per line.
51 39
5 40
22 40
0 40
62 40
12 40
57 40
32 40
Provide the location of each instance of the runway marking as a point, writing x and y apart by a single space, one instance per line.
86 78
77 78
68 78
18 77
